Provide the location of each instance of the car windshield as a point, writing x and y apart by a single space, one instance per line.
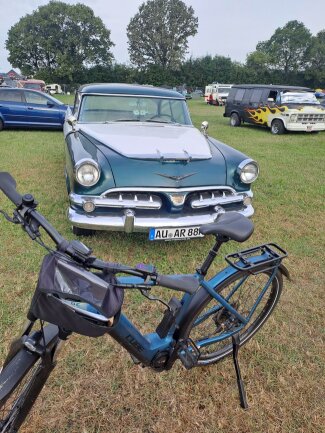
117 108
33 86
225 90
298 98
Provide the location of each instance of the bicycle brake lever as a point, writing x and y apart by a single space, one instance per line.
8 218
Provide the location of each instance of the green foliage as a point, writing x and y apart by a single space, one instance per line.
158 33
316 69
59 41
287 49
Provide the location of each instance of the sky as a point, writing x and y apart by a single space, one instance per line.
230 28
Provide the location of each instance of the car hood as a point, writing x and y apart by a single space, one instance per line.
153 141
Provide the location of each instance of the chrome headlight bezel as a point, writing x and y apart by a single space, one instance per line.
248 166
81 164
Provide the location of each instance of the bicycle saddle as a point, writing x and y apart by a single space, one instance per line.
232 225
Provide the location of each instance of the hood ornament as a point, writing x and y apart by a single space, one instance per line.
176 178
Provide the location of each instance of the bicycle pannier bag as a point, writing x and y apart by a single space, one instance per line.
63 286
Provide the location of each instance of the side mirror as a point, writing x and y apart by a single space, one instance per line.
50 104
204 127
72 121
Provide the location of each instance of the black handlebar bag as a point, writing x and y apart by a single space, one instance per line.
63 284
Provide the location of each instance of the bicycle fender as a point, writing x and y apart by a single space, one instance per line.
20 364
284 271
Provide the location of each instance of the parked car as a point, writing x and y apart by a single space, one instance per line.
30 109
32 84
136 163
280 108
53 89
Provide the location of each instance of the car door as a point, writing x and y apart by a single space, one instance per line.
41 110
13 107
254 100
237 103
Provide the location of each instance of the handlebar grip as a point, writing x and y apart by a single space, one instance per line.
8 186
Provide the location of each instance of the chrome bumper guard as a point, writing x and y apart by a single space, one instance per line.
129 222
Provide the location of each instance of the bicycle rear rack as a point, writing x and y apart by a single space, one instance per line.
260 258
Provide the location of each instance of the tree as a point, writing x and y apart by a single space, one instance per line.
316 69
158 33
58 41
287 50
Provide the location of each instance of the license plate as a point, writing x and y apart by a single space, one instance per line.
171 234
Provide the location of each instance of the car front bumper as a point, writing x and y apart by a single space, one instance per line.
307 127
127 220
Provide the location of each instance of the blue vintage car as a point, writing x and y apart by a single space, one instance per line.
30 109
136 163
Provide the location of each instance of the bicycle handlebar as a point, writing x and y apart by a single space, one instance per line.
27 215
8 186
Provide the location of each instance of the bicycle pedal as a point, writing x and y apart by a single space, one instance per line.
188 353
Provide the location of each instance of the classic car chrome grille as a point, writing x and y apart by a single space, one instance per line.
310 118
213 198
131 200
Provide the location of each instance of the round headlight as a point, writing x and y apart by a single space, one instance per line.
87 172
248 171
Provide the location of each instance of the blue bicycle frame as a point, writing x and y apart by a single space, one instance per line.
146 347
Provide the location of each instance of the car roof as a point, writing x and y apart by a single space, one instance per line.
129 89
272 86
22 89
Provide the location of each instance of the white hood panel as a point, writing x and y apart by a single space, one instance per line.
150 141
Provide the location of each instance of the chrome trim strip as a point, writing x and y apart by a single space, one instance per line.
143 224
127 95
201 203
120 203
103 201
175 190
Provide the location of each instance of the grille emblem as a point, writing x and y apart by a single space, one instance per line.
176 178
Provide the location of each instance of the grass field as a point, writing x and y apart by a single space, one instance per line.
96 388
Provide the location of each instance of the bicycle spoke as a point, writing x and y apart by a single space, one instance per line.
216 321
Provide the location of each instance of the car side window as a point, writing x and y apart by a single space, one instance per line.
9 96
256 96
247 95
231 94
35 98
239 95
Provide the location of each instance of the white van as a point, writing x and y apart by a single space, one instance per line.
53 89
216 94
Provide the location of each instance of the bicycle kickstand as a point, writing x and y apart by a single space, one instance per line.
240 383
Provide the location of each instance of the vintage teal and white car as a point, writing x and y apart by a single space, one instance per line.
136 163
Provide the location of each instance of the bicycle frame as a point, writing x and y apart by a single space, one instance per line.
146 347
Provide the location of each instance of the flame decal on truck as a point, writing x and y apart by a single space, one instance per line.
261 114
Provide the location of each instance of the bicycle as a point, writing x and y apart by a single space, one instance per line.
77 292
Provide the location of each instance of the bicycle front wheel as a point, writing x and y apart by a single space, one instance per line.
211 325
21 381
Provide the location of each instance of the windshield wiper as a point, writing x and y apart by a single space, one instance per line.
122 120
162 121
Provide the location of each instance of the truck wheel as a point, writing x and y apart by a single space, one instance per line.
234 119
277 127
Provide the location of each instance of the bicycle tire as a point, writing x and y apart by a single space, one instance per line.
29 373
222 349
